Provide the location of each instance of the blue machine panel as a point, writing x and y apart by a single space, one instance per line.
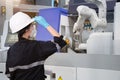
52 16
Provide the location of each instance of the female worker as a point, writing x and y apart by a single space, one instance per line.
25 59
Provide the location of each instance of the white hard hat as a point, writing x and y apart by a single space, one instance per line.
19 21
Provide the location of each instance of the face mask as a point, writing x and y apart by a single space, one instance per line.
33 33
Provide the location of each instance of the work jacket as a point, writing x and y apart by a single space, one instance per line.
25 59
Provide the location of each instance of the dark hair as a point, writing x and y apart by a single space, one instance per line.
22 31
55 3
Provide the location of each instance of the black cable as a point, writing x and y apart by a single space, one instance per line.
118 0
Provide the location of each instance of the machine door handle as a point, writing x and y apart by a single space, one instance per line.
1 72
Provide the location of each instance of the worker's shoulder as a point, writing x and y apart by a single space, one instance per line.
31 42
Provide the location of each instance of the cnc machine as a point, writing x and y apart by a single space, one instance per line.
101 62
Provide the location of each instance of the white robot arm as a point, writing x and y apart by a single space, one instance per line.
84 12
98 22
101 4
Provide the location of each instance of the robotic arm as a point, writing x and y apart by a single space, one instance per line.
97 21
84 12
101 4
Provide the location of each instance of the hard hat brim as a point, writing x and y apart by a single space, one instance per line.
32 20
